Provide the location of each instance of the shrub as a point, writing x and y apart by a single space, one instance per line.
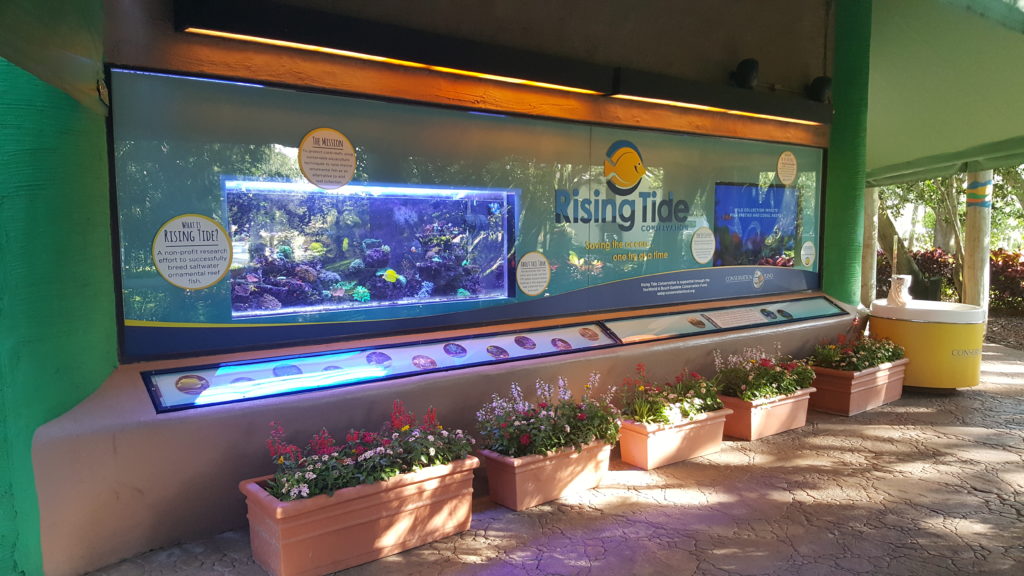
1006 277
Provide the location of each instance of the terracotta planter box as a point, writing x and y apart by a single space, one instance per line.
355 525
848 393
760 418
520 483
651 446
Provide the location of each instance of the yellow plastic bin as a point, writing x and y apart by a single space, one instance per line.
943 340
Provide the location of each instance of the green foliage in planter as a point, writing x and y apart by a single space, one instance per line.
512 426
755 375
648 402
324 466
855 354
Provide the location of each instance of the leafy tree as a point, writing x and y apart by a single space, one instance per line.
945 205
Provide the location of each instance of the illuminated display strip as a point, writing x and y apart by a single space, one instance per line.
372 58
483 75
194 387
201 386
715 109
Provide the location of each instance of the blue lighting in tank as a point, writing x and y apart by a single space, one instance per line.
367 190
178 76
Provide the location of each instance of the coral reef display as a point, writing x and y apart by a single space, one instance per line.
312 251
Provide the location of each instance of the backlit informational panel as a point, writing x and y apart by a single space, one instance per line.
252 216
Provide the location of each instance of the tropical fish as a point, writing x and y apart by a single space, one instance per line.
623 167
390 275
344 243
338 292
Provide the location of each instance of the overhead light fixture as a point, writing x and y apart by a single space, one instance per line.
820 89
746 73
671 91
301 28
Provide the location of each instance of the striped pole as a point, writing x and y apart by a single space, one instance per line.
976 242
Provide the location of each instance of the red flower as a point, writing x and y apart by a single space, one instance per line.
641 368
581 416
766 362
430 420
400 418
542 405
504 424
322 443
694 375
524 439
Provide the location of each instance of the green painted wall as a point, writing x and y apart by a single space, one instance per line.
58 341
844 203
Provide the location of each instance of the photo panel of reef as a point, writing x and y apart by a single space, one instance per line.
300 249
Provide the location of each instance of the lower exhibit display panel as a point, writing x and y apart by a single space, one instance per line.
215 384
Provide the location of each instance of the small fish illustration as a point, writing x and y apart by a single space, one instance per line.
624 168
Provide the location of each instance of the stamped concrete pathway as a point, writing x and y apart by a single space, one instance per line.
932 484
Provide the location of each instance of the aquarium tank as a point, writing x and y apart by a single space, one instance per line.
301 249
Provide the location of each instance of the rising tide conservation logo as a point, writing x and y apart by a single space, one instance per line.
624 171
623 167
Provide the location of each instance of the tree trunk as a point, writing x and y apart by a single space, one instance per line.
950 204
902 263
976 249
943 235
869 253
913 227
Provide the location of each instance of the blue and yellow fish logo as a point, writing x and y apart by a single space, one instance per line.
623 167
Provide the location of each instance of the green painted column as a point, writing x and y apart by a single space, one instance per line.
58 341
844 201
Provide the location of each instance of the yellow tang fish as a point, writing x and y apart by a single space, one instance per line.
390 275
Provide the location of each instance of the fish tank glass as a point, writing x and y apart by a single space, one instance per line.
301 249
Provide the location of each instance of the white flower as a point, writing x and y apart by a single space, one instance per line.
394 436
444 433
430 437
310 475
432 451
